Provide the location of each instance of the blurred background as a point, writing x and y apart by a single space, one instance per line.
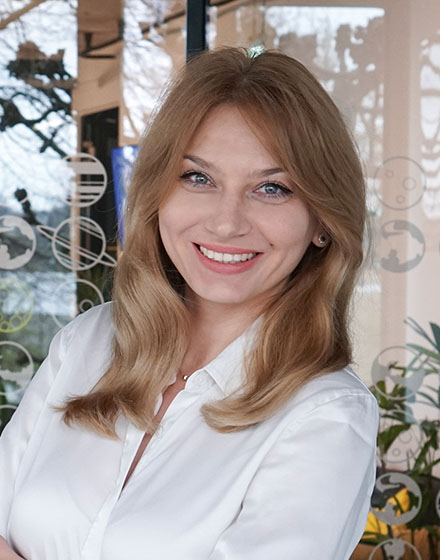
78 81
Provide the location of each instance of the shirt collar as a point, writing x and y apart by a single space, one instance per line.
227 367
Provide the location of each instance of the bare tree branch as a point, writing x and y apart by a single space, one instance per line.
18 13
61 84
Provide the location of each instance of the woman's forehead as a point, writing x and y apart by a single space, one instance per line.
229 126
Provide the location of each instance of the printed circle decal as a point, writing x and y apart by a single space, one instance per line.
83 179
397 366
394 549
16 305
405 447
16 368
402 246
67 248
400 183
17 242
67 292
389 484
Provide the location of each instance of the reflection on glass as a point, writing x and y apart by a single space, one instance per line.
154 42
37 129
430 122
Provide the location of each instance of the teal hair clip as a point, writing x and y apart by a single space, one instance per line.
255 50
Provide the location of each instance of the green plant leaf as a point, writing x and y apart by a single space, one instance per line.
419 330
390 400
403 416
429 466
434 355
436 332
429 398
386 438
431 443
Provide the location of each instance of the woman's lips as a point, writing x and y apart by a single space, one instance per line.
226 268
227 249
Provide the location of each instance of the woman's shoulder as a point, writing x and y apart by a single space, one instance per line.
333 385
339 395
97 316
91 326
84 349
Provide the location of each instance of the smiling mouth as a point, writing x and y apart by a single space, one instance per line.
226 258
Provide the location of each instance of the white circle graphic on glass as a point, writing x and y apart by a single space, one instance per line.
67 248
402 246
82 179
17 242
394 549
397 366
16 305
405 447
16 367
67 292
389 484
400 183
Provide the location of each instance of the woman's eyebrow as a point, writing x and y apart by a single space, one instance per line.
256 173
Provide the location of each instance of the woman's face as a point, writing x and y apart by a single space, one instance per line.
233 202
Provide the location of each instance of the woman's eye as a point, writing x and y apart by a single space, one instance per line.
195 177
274 191
271 191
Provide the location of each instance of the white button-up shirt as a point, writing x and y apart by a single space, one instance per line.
294 487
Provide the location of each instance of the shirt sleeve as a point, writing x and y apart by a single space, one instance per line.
311 495
18 431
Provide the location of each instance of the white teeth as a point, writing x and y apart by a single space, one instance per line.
226 257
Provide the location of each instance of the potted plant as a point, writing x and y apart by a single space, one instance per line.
405 516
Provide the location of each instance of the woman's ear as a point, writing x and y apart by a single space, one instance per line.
321 238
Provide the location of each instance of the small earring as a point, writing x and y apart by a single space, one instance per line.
322 239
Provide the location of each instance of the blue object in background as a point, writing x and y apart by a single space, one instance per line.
122 164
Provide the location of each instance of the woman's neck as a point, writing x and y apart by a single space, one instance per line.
211 332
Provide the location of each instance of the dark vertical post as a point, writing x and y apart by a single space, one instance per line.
196 15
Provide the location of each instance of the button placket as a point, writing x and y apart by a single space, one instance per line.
92 545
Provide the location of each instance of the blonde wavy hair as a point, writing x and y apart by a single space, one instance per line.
304 330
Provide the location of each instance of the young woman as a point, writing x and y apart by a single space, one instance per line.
209 412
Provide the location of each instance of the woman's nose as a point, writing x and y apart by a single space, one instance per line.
228 217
